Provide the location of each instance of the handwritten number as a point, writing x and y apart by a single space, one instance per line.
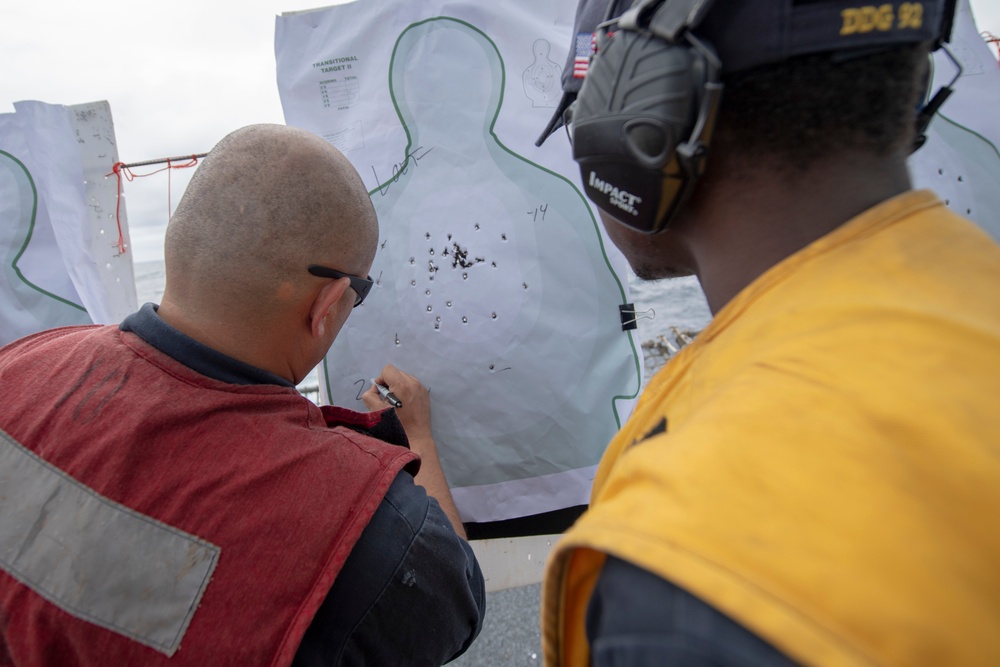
538 213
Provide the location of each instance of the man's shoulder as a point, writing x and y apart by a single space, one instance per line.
40 339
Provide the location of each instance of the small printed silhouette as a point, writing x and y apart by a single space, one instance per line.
542 79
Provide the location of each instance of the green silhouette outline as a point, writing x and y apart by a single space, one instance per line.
970 131
405 163
28 235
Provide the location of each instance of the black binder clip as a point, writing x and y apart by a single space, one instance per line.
630 316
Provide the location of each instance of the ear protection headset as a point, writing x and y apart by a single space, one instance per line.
642 122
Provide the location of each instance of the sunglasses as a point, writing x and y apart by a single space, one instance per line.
360 285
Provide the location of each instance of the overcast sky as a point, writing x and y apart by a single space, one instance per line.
178 75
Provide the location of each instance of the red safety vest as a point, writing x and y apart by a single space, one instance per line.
162 517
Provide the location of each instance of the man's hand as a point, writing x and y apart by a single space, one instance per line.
415 416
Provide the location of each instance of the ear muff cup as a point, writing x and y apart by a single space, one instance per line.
642 121
640 102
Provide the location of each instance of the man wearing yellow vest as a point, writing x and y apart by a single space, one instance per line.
816 479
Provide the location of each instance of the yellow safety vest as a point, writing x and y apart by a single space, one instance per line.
822 463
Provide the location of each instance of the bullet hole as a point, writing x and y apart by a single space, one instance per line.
448 303
494 315
465 320
429 309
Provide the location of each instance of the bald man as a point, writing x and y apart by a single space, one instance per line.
169 498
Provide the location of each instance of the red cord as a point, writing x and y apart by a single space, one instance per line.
120 168
990 38
117 170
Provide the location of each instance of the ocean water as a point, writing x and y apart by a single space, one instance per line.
149 280
678 302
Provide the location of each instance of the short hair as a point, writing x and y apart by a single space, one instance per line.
268 201
794 113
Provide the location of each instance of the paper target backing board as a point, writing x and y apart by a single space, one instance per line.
494 283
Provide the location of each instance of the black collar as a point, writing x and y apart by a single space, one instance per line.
147 325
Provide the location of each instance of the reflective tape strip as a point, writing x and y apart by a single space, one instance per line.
97 559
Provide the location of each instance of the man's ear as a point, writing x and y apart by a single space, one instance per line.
325 302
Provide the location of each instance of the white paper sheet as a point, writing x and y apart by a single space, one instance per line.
54 205
37 292
494 283
960 160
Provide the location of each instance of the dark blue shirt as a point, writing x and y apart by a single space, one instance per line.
411 591
638 619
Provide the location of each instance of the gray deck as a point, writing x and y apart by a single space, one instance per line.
511 633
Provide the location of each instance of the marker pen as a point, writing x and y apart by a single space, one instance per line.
387 395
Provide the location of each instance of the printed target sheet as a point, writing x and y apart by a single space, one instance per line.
61 224
961 159
494 283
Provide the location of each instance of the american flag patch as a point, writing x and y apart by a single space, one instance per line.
584 49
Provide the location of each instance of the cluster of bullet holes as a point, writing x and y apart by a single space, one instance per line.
460 259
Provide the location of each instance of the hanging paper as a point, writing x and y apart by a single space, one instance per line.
494 283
